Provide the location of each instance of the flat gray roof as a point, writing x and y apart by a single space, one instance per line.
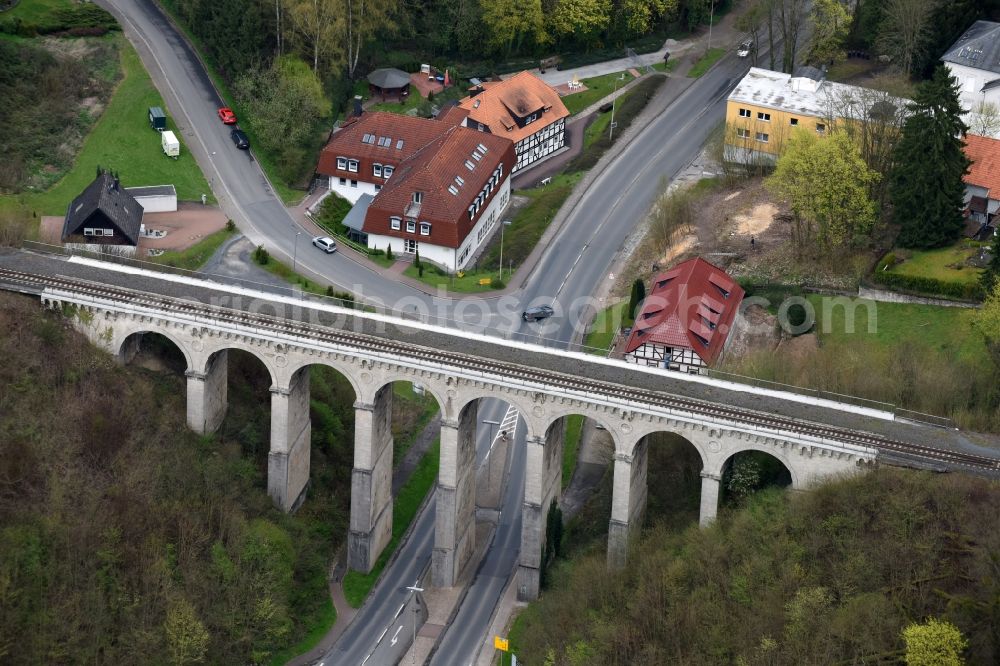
152 191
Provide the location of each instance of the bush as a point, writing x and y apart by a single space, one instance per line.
261 256
498 284
388 252
230 226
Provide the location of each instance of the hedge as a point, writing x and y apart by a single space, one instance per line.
924 285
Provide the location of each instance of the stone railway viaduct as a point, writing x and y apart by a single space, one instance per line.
114 306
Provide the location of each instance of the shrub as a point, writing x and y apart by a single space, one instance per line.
230 226
927 285
388 252
498 284
261 256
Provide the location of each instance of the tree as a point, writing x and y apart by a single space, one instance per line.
187 638
829 23
934 643
826 181
790 16
363 18
636 298
992 272
318 24
926 185
584 18
905 31
509 22
873 118
985 119
751 22
987 319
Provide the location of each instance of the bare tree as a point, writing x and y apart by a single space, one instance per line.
905 31
364 18
752 23
791 16
873 119
317 24
984 120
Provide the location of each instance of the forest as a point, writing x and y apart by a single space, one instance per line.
839 575
124 537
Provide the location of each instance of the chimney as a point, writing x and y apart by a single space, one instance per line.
357 105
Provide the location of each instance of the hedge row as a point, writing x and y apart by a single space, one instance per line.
924 285
87 20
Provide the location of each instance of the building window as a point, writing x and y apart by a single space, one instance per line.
343 181
742 133
411 226
418 197
88 231
377 170
452 189
744 113
409 246
766 117
394 223
762 137
342 163
377 187
469 165
425 229
352 165
387 171
820 127
530 119
354 183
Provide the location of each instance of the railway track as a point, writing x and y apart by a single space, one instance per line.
380 345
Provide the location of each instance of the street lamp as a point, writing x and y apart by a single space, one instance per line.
611 131
711 14
295 253
504 223
416 609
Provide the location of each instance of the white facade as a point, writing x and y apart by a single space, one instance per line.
672 358
542 143
971 81
351 188
449 258
156 198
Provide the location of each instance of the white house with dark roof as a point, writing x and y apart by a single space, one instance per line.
975 61
104 218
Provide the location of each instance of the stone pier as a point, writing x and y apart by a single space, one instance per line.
288 461
628 502
542 486
208 394
455 523
371 481
709 498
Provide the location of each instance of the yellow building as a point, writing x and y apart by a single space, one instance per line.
766 106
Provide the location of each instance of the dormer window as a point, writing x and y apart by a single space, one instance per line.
387 171
377 170
425 229
394 223
472 212
530 119
352 165
418 197
342 163
411 226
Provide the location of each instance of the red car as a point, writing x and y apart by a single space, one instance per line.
227 116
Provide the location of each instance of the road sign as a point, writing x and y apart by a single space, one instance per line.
500 643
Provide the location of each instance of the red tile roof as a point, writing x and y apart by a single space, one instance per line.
692 306
415 133
985 170
520 95
432 172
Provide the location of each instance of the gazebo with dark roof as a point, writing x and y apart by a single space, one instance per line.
389 82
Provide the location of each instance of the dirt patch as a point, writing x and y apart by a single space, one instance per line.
757 221
800 347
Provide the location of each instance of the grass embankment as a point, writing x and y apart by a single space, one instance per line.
705 62
122 140
598 87
920 357
830 576
287 194
36 11
465 282
357 585
606 324
330 218
195 256
571 447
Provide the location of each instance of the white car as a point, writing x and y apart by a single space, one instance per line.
744 50
325 243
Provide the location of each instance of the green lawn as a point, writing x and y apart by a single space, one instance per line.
34 11
323 623
571 447
195 256
947 331
705 62
668 66
467 283
357 585
598 127
941 263
598 87
275 267
122 140
602 331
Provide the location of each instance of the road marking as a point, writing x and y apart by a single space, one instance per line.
511 416
384 632
395 638
399 611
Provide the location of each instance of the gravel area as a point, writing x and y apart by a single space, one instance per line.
619 374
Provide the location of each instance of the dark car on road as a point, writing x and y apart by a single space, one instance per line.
536 313
240 139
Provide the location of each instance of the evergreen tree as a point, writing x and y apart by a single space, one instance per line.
636 298
992 272
926 184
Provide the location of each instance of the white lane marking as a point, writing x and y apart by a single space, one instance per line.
511 415
384 632
395 636
399 611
